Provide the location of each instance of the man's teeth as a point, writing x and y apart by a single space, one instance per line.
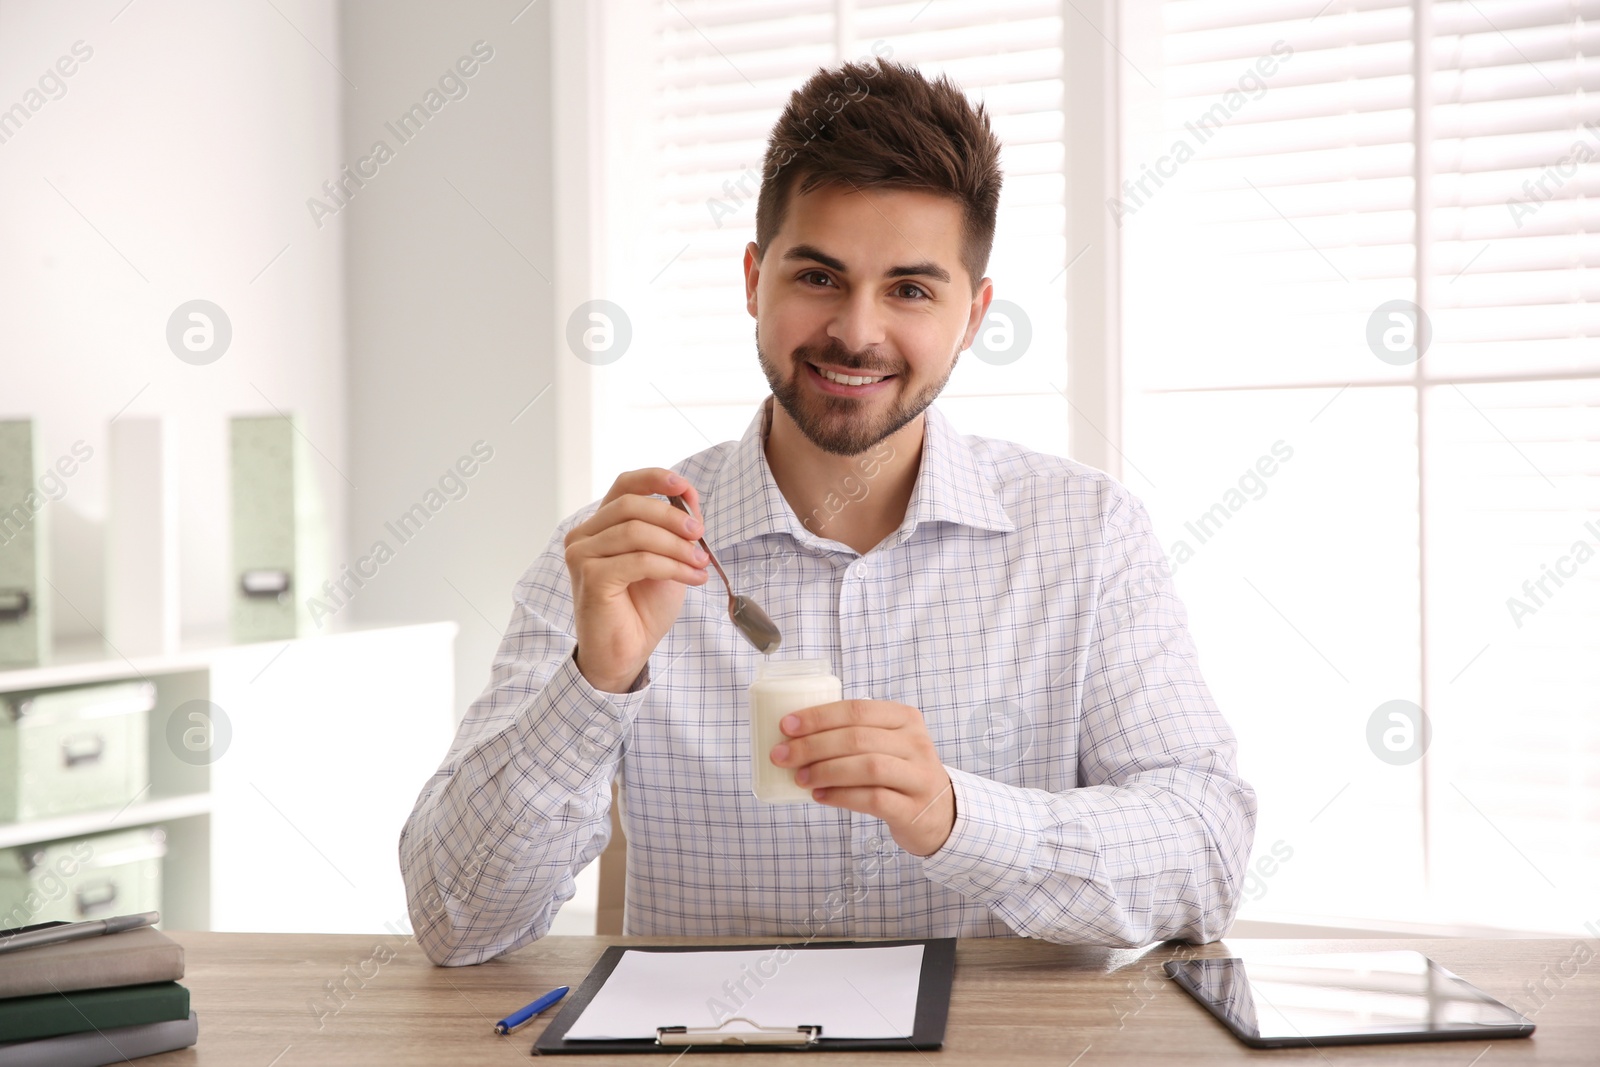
848 379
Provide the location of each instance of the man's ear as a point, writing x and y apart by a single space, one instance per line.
752 276
975 315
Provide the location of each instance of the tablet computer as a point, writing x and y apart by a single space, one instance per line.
1344 998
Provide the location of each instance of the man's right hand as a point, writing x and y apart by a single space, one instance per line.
629 563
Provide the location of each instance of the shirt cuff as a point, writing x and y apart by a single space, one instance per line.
992 845
574 731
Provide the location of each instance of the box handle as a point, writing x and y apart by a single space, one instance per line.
95 896
72 756
13 604
265 583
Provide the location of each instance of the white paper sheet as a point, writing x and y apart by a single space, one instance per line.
867 992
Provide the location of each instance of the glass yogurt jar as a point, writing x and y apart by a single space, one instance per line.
783 686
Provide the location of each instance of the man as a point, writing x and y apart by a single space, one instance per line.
1026 747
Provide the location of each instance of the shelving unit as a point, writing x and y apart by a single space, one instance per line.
293 825
146 813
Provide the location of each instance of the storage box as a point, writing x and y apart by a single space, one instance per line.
279 538
82 878
24 543
68 750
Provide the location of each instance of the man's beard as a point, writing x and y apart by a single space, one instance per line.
842 425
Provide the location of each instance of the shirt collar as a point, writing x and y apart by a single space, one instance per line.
743 500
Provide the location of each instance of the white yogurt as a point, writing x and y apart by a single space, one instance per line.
783 686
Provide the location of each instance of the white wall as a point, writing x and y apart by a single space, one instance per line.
191 141
174 166
450 265
412 323
452 283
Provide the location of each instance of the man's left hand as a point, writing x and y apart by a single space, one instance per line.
875 757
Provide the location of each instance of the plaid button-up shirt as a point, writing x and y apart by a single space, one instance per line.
1023 606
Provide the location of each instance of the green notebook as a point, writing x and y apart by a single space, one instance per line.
50 1014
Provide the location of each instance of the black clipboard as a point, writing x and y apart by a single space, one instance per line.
933 1007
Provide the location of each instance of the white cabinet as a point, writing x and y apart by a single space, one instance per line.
283 806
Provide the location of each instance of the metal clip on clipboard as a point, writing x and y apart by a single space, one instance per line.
757 1035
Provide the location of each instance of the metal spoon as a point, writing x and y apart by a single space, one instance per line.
751 621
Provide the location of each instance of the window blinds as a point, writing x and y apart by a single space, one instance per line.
718 75
1296 168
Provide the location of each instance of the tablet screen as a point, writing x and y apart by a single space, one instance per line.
1340 998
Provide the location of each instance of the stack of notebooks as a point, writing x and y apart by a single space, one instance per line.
94 1001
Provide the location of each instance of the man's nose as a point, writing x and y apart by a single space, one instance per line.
859 322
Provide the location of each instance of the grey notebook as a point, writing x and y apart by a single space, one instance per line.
132 957
94 1048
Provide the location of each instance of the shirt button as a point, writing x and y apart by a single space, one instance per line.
858 571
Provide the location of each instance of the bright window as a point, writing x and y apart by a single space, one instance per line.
1357 531
1297 184
714 76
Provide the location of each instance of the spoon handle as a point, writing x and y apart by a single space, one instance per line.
679 503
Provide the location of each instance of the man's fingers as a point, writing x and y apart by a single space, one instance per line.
637 535
634 486
866 769
844 741
646 508
691 500
637 566
880 802
883 714
648 480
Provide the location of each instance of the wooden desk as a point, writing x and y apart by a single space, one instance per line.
1014 1002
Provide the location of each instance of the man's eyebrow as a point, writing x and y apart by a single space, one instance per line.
817 255
925 269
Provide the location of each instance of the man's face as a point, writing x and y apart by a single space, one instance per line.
868 284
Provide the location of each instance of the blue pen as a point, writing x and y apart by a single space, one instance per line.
517 1018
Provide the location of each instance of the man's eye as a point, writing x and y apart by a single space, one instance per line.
912 292
816 277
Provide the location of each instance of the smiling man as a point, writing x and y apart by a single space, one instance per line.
1026 746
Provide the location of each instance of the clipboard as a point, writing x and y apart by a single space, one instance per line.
933 1009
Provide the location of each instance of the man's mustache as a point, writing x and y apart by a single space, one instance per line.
838 355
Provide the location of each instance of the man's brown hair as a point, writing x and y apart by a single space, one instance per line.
882 124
